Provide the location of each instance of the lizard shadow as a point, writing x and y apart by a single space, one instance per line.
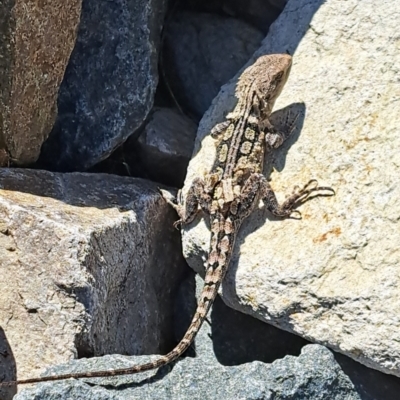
239 338
277 158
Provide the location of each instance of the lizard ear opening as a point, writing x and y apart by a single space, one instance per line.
278 76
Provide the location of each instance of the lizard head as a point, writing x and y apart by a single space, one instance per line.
268 76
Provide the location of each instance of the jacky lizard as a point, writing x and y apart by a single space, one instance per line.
230 191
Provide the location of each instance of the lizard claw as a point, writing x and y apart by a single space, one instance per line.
312 187
298 213
168 196
177 224
328 189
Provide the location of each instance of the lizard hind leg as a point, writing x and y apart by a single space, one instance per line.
298 197
257 186
307 192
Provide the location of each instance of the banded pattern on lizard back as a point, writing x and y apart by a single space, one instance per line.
230 191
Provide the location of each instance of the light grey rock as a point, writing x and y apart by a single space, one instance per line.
89 265
36 40
332 277
109 84
202 52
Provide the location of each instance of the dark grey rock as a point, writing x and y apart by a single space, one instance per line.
201 53
161 153
280 4
258 13
313 375
109 84
369 383
165 146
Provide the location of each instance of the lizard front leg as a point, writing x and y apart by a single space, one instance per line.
187 208
199 194
277 133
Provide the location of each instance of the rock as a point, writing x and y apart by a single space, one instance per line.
165 146
370 384
232 338
201 53
280 4
92 263
161 153
331 277
258 13
109 84
238 338
312 375
36 40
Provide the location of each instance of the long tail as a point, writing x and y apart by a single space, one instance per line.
214 275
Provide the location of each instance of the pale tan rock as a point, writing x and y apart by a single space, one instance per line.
36 40
89 264
332 277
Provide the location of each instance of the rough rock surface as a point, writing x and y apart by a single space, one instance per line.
333 276
313 375
202 52
89 265
161 153
109 84
280 4
36 40
232 338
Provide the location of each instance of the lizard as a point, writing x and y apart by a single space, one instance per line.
229 192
